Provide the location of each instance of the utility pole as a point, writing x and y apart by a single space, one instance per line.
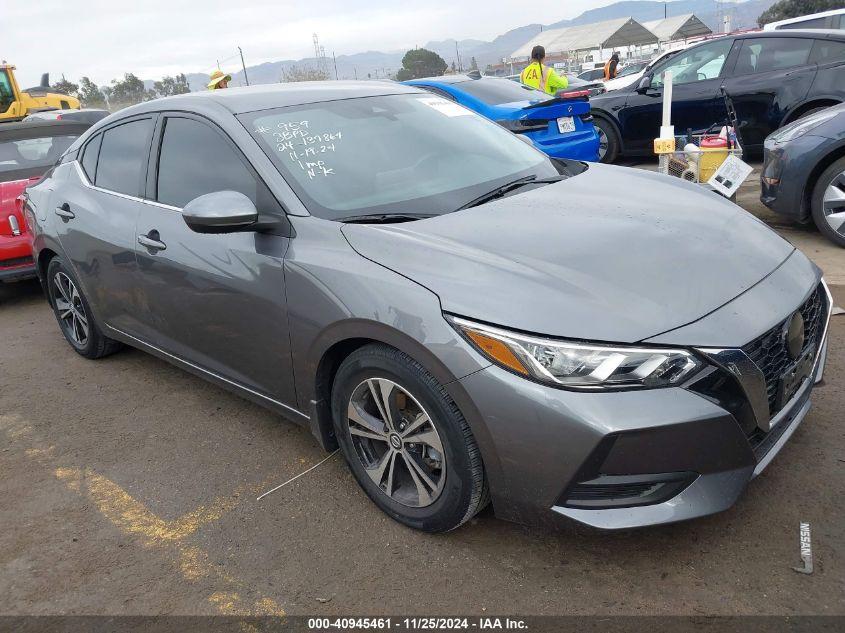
664 10
334 59
243 65
458 55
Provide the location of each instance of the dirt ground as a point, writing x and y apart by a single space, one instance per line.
129 487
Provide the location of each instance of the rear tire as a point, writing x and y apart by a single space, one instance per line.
76 321
609 143
828 202
405 441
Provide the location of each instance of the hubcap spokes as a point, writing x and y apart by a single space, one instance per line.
70 309
834 204
602 142
396 442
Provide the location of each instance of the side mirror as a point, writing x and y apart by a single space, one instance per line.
220 212
645 83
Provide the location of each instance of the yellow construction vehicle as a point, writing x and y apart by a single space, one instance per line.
15 103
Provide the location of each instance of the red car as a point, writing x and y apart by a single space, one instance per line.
27 152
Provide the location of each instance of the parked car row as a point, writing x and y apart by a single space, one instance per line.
27 151
773 78
466 318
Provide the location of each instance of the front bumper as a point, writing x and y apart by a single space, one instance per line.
785 175
547 446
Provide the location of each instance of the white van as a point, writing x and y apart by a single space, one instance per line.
834 19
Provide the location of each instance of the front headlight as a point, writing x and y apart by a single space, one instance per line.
803 125
580 365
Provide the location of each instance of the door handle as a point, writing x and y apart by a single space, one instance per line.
151 241
64 211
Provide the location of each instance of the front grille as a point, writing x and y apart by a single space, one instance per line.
769 350
16 261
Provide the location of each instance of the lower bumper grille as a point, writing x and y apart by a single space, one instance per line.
625 491
769 351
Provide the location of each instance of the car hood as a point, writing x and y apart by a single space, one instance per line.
613 254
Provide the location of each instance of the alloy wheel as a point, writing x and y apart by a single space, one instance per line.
602 143
833 204
70 309
396 442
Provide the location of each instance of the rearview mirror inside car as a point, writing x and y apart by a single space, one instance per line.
220 212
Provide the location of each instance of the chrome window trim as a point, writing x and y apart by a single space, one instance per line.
87 183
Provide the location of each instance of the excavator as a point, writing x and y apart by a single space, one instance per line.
15 103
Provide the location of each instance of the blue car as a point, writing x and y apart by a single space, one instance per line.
562 127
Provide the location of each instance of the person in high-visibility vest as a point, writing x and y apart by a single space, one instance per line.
542 77
610 68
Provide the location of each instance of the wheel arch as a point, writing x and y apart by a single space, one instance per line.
339 341
812 180
606 116
800 110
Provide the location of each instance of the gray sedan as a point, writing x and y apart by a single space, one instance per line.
466 319
803 174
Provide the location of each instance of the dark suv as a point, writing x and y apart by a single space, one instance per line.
773 78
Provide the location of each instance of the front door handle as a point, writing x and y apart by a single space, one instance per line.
64 211
151 241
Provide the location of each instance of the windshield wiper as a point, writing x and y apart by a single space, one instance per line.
498 192
384 218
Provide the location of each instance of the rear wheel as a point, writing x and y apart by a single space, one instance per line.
405 440
608 140
74 315
828 202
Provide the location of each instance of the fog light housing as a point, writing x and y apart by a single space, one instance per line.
625 491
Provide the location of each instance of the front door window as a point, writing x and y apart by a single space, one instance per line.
698 64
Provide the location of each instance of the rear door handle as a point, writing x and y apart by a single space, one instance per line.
151 241
64 212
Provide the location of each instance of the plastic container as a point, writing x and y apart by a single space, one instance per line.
714 151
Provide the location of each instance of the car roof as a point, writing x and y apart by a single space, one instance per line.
40 129
267 96
835 34
448 79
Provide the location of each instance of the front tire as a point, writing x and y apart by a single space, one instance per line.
405 441
76 321
609 143
828 202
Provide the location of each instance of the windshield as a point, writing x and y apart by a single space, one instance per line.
630 69
32 153
416 153
494 91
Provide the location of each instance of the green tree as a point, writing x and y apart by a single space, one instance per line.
128 91
418 63
66 87
169 86
785 9
90 94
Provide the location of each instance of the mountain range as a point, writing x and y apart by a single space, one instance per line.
377 64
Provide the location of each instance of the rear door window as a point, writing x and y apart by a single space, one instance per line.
768 54
195 160
89 158
124 152
828 51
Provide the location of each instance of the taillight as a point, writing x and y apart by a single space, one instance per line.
575 94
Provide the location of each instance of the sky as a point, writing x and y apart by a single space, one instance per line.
103 39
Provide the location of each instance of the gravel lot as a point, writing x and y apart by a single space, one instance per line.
129 487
